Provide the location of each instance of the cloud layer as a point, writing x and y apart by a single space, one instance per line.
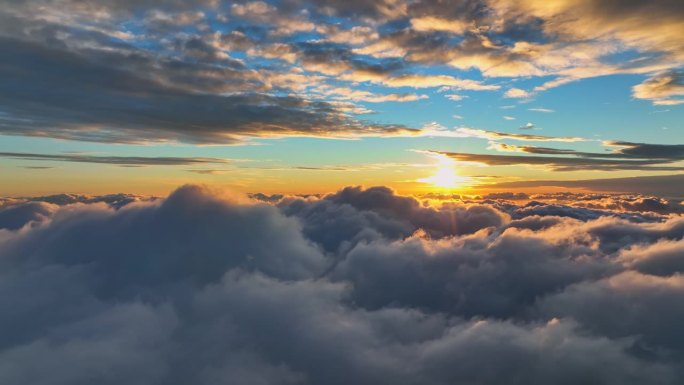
360 286
223 72
624 155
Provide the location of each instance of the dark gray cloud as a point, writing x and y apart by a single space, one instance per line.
360 8
589 210
340 57
17 215
624 150
132 97
119 160
619 306
353 214
624 155
638 203
646 150
556 163
199 288
664 185
507 195
208 171
113 200
660 259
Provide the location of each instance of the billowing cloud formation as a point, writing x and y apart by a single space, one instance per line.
16 215
113 200
222 72
361 286
353 214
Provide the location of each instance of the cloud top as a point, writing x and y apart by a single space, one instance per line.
359 286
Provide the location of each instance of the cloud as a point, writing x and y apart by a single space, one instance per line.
180 45
516 93
666 185
344 93
424 81
602 306
118 160
664 89
213 72
661 258
540 110
613 19
647 150
625 155
621 150
383 9
158 18
204 288
604 23
16 216
555 163
359 214
431 23
16 213
507 195
106 98
495 135
527 126
208 171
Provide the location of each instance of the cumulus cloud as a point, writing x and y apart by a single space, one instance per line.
17 215
355 214
664 89
359 286
517 93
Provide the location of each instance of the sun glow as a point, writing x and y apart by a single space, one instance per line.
446 176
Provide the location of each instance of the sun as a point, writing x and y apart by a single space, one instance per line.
446 176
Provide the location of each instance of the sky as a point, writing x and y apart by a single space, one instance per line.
336 192
303 96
